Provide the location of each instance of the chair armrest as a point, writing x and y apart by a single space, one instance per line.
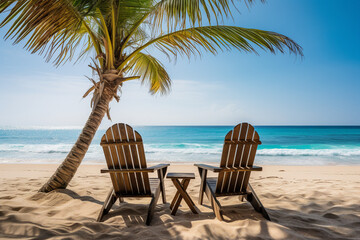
149 169
256 168
218 169
208 167
159 166
105 170
244 169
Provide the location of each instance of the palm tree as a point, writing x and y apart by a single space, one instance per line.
117 33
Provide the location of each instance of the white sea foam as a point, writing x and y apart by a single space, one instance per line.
182 148
40 127
42 153
35 148
179 152
310 152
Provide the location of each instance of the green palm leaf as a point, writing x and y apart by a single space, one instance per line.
174 12
192 41
49 27
151 71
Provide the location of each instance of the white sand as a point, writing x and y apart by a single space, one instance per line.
304 203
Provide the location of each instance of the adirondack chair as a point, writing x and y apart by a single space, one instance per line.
234 172
125 158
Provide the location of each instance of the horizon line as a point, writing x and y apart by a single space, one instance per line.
176 125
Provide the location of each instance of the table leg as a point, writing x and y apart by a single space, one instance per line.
177 195
184 194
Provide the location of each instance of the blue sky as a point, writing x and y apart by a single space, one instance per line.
231 87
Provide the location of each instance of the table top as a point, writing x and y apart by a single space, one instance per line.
181 175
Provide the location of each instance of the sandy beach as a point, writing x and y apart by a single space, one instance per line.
125 85
304 202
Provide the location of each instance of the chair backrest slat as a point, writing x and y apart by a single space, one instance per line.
123 149
229 159
224 159
239 150
142 162
135 158
128 158
119 157
111 165
252 153
244 159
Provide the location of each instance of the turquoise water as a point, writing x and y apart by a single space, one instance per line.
288 145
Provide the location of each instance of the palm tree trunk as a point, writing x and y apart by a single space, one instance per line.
67 169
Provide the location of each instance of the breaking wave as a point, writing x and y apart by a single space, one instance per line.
171 152
310 152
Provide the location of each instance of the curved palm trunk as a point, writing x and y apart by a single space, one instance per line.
67 169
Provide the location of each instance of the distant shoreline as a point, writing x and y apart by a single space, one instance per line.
178 163
135 126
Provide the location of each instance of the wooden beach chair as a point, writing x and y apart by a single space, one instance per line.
125 158
234 172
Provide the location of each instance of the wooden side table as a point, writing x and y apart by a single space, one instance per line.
181 191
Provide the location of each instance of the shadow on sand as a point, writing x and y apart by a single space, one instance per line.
127 220
335 223
74 195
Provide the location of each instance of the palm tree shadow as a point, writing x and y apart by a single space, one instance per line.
219 235
136 214
312 220
232 213
241 211
74 195
317 222
131 213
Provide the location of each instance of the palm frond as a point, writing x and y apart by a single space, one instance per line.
175 14
107 41
151 72
53 28
117 19
180 12
131 14
138 38
192 41
130 11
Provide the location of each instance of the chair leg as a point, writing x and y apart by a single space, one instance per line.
202 173
161 174
217 208
256 203
110 200
215 204
121 200
201 197
152 205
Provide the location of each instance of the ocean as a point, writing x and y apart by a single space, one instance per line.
281 145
